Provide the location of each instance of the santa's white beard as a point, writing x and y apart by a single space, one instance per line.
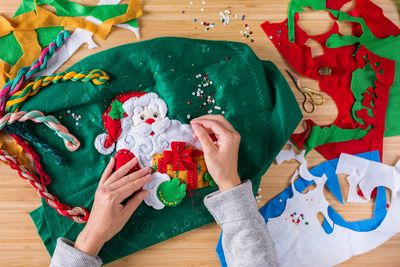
144 145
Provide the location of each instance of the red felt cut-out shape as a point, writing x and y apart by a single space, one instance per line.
113 126
122 157
181 158
342 62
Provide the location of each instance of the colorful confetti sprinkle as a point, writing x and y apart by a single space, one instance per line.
207 25
247 33
226 16
209 102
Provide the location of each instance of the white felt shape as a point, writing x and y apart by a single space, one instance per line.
353 196
309 245
76 40
288 154
151 199
371 174
146 140
136 105
99 144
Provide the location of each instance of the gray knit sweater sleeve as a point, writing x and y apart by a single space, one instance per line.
245 238
65 255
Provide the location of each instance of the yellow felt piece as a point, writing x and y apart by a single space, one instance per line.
44 18
2 73
12 148
24 25
30 48
182 175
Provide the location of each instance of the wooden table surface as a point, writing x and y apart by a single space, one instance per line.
20 244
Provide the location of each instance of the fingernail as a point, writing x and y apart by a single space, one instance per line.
149 169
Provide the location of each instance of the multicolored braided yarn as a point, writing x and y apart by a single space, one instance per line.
25 133
77 214
44 177
95 76
12 86
36 116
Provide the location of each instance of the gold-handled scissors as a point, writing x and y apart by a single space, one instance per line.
312 97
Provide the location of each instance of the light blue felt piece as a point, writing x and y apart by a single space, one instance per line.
276 206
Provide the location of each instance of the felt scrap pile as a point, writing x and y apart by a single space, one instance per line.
361 72
93 119
29 37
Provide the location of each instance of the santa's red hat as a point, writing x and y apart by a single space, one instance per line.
111 123
104 143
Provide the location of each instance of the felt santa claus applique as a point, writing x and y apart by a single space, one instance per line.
137 125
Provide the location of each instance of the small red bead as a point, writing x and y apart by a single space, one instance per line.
226 58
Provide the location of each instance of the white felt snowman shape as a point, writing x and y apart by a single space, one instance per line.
137 125
298 236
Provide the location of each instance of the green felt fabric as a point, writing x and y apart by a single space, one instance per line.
388 48
257 100
361 80
296 6
322 135
48 34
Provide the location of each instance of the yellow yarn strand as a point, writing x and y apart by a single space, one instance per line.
97 77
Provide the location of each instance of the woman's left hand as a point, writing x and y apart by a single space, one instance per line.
108 215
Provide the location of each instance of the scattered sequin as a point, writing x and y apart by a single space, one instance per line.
297 219
226 16
247 33
201 92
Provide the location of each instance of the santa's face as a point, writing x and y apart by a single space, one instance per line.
148 116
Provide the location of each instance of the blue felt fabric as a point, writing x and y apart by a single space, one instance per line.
276 206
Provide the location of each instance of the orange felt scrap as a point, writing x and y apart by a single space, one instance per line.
30 48
12 148
24 25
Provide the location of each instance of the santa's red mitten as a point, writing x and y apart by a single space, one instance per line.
122 157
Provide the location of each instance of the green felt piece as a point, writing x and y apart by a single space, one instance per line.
14 52
361 80
171 192
48 34
208 177
296 6
322 135
117 111
387 48
253 94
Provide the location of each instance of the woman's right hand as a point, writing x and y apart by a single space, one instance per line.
222 156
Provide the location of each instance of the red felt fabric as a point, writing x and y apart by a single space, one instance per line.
113 126
337 85
181 158
122 157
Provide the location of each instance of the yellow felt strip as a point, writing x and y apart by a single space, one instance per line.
30 48
2 73
23 27
44 18
12 148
